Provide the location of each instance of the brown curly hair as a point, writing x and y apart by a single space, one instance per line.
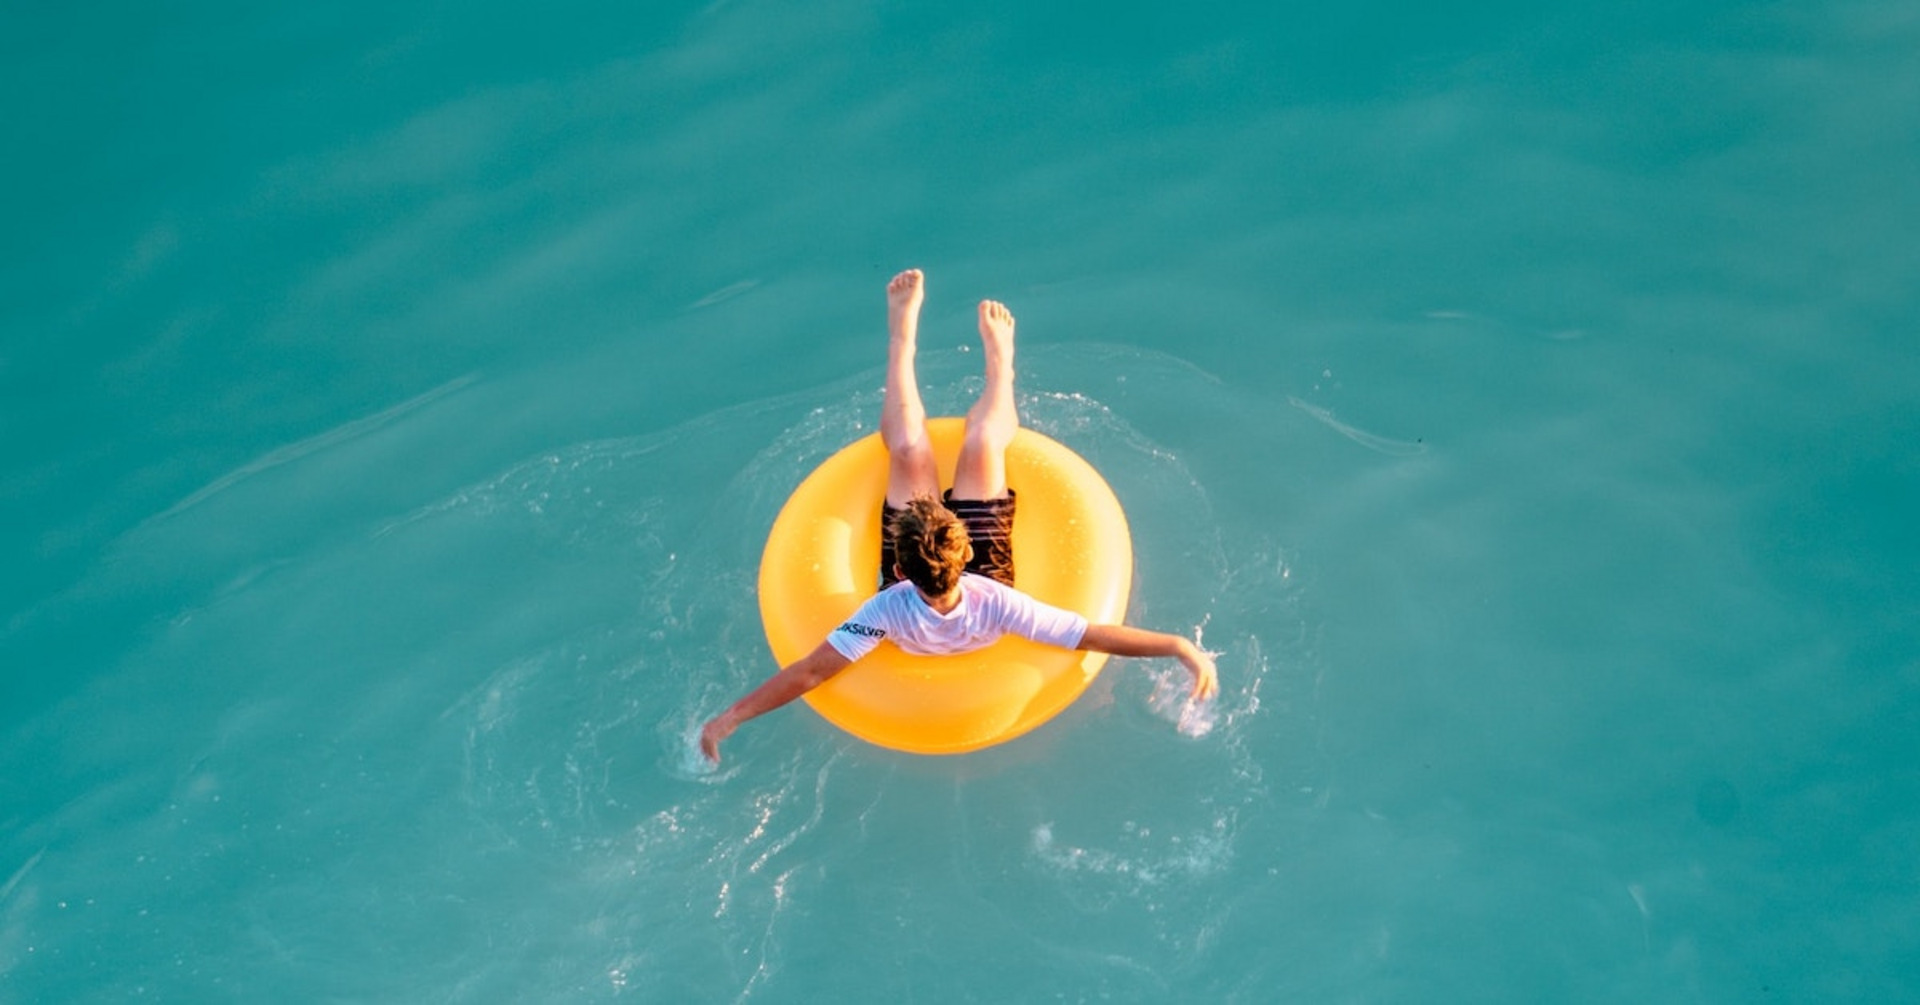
931 545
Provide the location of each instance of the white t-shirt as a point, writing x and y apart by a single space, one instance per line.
987 610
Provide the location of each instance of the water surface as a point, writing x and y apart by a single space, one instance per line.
1519 401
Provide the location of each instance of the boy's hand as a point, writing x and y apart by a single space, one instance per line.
1206 680
717 729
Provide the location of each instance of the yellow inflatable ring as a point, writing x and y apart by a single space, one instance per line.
1071 549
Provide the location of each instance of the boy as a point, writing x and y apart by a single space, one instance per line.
947 563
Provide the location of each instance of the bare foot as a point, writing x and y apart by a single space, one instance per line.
904 293
996 333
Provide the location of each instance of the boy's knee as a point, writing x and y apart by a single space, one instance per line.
914 450
987 438
906 441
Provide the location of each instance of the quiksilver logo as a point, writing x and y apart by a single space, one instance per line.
853 629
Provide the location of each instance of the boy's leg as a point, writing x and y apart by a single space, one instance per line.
982 469
903 419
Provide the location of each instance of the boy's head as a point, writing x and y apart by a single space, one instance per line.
931 546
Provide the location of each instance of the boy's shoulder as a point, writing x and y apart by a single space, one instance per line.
987 587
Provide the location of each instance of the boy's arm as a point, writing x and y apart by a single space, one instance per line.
1123 640
793 680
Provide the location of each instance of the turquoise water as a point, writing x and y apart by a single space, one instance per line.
1522 403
